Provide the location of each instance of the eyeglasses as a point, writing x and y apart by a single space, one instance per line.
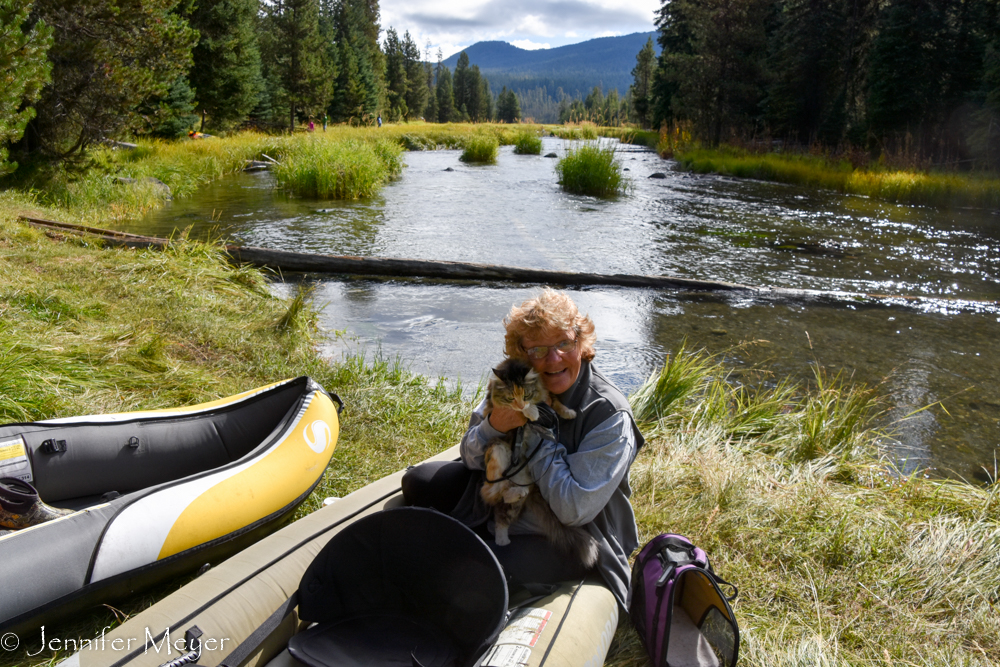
542 351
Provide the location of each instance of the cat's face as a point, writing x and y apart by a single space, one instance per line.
515 385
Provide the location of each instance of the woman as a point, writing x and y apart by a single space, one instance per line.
583 476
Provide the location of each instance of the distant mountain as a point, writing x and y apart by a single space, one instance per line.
576 68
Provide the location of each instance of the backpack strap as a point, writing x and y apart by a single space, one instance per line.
250 645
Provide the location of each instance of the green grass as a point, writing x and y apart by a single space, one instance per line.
480 149
592 169
351 168
904 187
528 143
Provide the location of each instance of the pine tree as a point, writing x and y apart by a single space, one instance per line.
508 109
719 84
642 86
174 114
460 83
675 22
226 72
431 110
485 113
305 72
356 34
108 58
804 100
395 76
445 95
416 78
903 72
26 69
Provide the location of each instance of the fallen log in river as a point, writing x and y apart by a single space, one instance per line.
385 267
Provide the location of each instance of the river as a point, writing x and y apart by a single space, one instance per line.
937 350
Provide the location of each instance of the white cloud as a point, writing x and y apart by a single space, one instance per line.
533 25
457 24
529 45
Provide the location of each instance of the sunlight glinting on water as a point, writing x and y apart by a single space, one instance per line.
937 345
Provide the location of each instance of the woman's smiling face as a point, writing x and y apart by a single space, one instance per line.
556 357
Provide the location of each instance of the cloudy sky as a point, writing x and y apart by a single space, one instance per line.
453 25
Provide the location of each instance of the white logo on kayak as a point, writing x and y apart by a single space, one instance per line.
318 435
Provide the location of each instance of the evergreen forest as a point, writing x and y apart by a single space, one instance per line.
82 72
914 79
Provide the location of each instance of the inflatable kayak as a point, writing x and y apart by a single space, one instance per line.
571 626
157 493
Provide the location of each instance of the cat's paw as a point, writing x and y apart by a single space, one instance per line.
562 410
502 539
492 493
531 412
515 494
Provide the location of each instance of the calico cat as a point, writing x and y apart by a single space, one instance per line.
509 487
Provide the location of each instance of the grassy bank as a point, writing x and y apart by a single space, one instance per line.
342 163
839 560
85 330
904 187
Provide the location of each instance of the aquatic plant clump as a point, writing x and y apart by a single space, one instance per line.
592 169
345 169
481 149
527 143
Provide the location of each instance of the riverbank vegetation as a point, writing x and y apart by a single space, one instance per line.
903 186
592 169
116 183
839 559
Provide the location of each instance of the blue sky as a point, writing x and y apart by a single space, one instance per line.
453 25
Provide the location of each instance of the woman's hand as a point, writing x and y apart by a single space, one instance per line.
506 419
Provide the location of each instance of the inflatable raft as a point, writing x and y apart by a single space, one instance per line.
157 493
570 627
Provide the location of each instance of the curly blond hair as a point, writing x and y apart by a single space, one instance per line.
550 313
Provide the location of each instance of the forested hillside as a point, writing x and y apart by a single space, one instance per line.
542 78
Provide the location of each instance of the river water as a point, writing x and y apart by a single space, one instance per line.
937 350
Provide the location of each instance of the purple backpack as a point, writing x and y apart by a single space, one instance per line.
679 611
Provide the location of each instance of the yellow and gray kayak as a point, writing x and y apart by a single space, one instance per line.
156 493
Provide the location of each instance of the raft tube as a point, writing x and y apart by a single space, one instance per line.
156 493
571 627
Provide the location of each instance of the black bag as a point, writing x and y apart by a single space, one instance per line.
678 609
407 586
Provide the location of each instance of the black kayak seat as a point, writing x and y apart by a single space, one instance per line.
407 586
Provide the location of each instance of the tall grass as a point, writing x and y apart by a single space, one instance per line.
345 169
592 169
481 149
585 130
527 143
840 560
904 187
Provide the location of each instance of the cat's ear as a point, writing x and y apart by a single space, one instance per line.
532 375
501 373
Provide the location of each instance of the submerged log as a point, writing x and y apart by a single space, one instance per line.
288 261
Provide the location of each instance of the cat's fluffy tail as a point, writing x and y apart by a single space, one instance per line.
571 540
